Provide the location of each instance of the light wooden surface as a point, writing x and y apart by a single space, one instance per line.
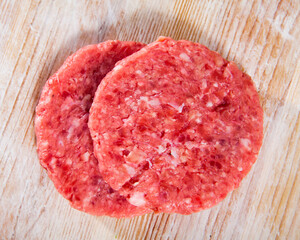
261 36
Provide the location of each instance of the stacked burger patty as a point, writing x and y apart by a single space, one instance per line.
125 128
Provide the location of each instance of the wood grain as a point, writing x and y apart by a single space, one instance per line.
261 36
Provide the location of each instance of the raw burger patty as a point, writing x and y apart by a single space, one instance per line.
64 143
176 127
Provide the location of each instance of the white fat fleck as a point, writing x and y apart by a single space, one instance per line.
44 144
154 102
191 131
185 57
198 120
246 143
137 199
76 122
130 170
173 105
136 156
37 120
180 108
70 133
105 135
183 71
126 99
161 149
61 143
153 190
223 174
189 145
69 161
67 104
53 161
150 163
174 162
154 135
240 169
190 100
196 116
227 73
128 121
85 157
188 200
153 114
228 129
146 99
209 104
88 81
168 121
138 72
204 84
118 67
48 99
85 178
216 84
174 152
134 107
219 61
86 201
125 120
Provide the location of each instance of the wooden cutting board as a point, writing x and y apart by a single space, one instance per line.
261 36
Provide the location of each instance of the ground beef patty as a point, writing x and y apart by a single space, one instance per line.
64 143
176 127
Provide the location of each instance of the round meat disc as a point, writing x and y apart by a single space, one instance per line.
176 127
65 147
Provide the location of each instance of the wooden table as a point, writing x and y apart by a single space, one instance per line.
262 37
